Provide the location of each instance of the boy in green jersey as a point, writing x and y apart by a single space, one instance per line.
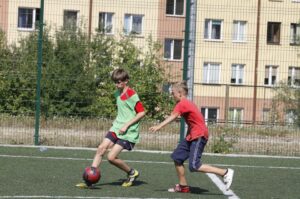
124 133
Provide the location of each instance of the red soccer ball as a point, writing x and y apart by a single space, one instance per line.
91 175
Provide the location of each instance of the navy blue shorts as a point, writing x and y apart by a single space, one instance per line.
124 143
191 150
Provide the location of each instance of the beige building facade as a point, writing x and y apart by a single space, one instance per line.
243 48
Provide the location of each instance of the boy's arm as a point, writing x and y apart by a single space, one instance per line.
169 119
138 116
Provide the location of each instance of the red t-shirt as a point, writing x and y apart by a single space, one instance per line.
129 92
194 119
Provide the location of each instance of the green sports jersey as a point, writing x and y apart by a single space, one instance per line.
126 112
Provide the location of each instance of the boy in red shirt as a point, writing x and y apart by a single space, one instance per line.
193 145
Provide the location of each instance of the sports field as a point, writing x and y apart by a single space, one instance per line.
26 172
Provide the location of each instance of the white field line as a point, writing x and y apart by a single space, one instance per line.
71 197
230 194
146 162
150 151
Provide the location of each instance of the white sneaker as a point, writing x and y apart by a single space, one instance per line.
228 178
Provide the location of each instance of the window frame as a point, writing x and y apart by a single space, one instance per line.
240 24
271 33
34 18
266 115
206 114
174 9
104 29
236 121
131 20
269 78
294 34
239 70
173 50
209 71
291 78
65 25
290 117
209 27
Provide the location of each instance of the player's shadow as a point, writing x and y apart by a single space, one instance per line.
198 190
120 182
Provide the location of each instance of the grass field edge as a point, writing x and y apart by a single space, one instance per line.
148 151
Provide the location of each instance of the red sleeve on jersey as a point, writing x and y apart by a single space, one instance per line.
139 107
128 94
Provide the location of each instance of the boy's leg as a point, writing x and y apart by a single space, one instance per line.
181 174
102 148
205 168
112 157
179 155
197 148
227 174
182 186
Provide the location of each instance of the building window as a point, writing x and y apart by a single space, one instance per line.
290 117
28 18
211 73
295 34
294 76
105 22
212 29
273 33
133 24
270 75
173 49
70 19
235 115
237 74
239 31
211 115
175 7
266 117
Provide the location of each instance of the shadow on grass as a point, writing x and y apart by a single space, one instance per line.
120 182
196 190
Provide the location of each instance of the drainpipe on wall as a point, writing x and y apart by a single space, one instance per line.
90 19
256 62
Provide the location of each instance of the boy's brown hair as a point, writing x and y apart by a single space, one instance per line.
119 75
181 87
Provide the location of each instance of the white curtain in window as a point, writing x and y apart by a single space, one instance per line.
167 50
108 25
214 73
137 24
127 24
205 73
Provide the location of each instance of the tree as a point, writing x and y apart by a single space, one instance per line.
67 84
286 99
76 75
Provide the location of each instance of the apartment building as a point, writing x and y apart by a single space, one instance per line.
243 48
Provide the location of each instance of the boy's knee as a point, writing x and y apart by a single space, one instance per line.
111 158
101 150
193 168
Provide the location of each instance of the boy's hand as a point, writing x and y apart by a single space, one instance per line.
123 129
154 128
